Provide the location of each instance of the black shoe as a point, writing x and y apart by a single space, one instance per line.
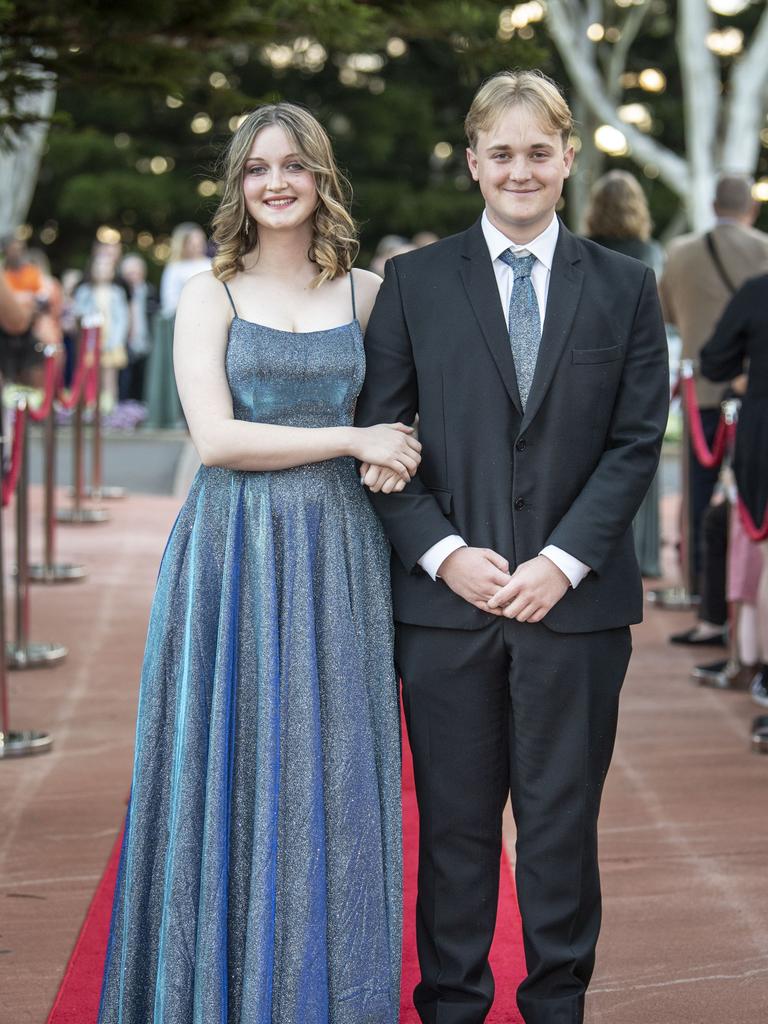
759 687
712 668
724 675
690 638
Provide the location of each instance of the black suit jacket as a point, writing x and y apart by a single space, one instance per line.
571 471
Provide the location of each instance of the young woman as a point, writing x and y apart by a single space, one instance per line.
618 218
260 876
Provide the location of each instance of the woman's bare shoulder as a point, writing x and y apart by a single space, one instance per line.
367 286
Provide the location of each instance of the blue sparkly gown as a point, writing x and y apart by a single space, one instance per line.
260 876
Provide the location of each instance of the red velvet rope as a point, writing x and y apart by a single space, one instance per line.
83 369
708 459
51 381
91 388
11 478
755 533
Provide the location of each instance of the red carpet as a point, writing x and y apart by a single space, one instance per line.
507 958
77 1001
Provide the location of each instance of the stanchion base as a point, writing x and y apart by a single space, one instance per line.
24 744
34 655
673 598
83 515
64 572
97 493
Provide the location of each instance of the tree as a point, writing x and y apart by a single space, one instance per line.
724 104
393 91
127 44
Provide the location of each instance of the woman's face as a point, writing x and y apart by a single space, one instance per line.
280 192
194 245
102 270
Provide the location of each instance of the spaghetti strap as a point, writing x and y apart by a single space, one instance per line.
352 286
229 296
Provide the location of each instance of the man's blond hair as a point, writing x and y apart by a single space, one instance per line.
507 89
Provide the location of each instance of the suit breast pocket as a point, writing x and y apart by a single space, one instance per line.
591 356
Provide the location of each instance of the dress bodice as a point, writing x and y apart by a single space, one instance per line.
309 379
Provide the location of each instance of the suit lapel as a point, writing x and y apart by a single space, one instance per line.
483 294
565 284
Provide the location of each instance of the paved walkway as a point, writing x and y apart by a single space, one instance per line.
684 828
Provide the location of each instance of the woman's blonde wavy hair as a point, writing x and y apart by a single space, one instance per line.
334 243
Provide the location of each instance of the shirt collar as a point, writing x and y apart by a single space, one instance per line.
542 246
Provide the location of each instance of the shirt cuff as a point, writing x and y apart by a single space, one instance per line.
432 559
567 564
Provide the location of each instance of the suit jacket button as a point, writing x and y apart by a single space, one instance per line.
521 444
519 503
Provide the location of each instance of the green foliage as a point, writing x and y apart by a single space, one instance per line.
385 123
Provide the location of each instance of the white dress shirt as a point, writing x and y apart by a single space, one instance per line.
543 248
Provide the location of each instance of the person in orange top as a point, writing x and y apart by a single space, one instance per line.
20 274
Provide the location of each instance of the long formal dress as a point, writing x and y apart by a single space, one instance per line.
260 874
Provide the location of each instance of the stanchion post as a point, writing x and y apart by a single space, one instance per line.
681 597
51 571
22 653
728 678
78 513
97 490
12 742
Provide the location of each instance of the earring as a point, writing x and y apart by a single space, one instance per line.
247 229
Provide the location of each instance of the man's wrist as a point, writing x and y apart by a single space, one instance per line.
432 559
573 570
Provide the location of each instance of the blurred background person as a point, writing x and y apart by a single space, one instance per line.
618 218
27 274
16 311
188 256
20 272
389 246
70 280
100 294
740 341
143 305
422 238
701 274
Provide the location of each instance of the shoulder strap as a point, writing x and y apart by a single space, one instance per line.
715 257
229 296
352 287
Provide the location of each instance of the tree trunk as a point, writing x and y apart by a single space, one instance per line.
19 166
701 99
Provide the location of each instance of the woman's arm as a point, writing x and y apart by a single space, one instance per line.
722 358
199 349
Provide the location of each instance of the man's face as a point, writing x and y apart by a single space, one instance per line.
520 168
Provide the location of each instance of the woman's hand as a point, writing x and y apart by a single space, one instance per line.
390 446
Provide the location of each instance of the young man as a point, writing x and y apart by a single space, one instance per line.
537 364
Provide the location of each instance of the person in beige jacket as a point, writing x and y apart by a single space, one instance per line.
701 274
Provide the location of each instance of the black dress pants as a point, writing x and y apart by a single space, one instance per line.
702 485
511 708
714 558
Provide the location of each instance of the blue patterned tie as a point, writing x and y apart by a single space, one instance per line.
524 321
